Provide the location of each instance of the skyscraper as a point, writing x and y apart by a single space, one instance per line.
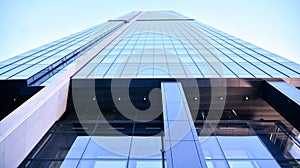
149 89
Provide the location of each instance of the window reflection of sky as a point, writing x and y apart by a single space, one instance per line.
238 151
115 151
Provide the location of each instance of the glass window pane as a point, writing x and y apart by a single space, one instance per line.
245 147
253 163
211 148
107 147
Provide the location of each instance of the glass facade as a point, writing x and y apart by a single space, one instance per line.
164 91
161 46
239 144
38 65
248 144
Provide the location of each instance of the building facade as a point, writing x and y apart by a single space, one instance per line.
149 89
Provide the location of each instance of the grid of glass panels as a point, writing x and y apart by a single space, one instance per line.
161 15
183 49
68 144
89 151
220 152
154 49
232 144
35 63
248 144
249 56
127 16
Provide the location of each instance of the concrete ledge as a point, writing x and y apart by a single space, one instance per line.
23 128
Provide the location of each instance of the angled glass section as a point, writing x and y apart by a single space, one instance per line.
161 15
43 62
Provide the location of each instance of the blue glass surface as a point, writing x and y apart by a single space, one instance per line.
211 148
145 163
107 147
183 152
253 163
245 147
103 163
216 164
78 147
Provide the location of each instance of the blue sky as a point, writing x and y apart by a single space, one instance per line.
271 24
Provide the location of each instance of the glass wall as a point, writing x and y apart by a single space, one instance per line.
249 144
232 144
40 64
165 45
